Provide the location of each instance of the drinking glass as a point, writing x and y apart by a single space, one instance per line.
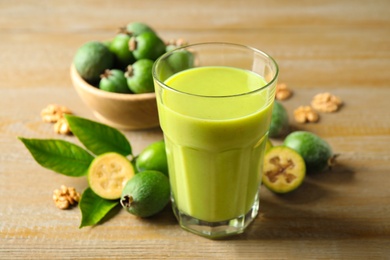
215 103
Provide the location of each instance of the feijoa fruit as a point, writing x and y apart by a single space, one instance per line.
279 120
92 59
146 194
119 46
316 152
147 45
139 76
136 28
114 81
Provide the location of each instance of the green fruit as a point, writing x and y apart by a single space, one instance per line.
316 152
170 47
284 169
114 81
163 70
153 157
137 28
139 76
133 162
175 62
279 120
147 45
119 46
92 59
180 60
108 174
146 194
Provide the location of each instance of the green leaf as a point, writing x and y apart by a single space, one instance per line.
94 208
98 138
59 156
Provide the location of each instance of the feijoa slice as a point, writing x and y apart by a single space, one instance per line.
108 175
284 169
316 152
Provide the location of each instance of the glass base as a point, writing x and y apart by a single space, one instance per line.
220 229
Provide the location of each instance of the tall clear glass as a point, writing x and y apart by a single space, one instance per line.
215 104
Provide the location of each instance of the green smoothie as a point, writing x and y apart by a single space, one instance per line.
215 133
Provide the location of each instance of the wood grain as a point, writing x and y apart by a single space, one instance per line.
338 46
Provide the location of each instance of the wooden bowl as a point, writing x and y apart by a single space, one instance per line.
124 111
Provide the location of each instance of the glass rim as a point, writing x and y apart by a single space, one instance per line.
254 50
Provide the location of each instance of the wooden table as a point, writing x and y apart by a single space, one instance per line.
338 46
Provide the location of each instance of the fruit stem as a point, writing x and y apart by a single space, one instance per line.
127 201
123 30
129 71
106 74
332 161
132 44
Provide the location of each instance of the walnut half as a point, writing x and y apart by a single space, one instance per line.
65 197
62 127
326 102
52 113
282 92
305 114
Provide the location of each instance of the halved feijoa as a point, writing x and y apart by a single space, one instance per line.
284 169
108 174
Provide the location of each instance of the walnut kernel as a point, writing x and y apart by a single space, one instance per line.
326 102
305 114
282 92
62 127
52 113
65 197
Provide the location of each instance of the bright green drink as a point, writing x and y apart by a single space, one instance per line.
215 120
213 147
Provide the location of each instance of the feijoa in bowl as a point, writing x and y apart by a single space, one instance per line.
114 78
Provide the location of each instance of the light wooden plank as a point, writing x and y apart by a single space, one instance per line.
337 46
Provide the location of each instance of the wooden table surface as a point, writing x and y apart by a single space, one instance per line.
338 46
